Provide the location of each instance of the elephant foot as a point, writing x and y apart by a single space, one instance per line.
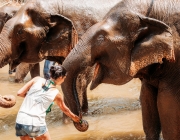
84 113
7 101
153 137
84 110
12 77
18 80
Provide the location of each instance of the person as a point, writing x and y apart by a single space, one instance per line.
39 94
47 65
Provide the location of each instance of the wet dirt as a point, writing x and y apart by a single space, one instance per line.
114 113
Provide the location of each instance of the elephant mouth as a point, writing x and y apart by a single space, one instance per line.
102 74
97 76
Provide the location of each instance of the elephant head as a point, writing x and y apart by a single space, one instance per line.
121 45
28 37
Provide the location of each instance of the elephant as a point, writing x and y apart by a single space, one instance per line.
49 30
136 39
7 12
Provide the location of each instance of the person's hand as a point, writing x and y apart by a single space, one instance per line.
76 119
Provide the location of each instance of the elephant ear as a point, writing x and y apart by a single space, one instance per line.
154 41
60 39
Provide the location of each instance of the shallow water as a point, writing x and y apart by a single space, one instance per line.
114 113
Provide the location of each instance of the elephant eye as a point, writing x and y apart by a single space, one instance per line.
20 31
100 39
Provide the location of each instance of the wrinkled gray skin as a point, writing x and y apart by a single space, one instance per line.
137 39
45 29
7 12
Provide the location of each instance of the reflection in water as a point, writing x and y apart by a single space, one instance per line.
114 113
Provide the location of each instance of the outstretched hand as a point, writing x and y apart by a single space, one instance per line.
76 119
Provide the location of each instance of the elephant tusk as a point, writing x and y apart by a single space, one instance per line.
96 70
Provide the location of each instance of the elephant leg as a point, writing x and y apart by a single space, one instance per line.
12 71
169 106
35 70
150 115
21 71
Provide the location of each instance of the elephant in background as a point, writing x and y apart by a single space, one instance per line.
136 39
46 29
7 12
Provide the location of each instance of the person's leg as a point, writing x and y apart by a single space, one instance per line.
45 136
21 133
26 138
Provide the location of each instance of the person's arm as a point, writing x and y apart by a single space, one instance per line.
60 102
23 91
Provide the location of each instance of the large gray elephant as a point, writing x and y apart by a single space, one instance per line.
44 29
136 39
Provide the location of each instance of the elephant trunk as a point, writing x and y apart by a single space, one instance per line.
75 62
70 94
7 101
5 49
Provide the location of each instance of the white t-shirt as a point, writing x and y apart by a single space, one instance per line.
35 104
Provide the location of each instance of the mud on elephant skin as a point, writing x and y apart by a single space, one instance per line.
46 29
137 39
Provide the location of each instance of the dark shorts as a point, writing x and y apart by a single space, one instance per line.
32 131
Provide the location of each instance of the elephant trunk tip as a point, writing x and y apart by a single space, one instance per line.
7 101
